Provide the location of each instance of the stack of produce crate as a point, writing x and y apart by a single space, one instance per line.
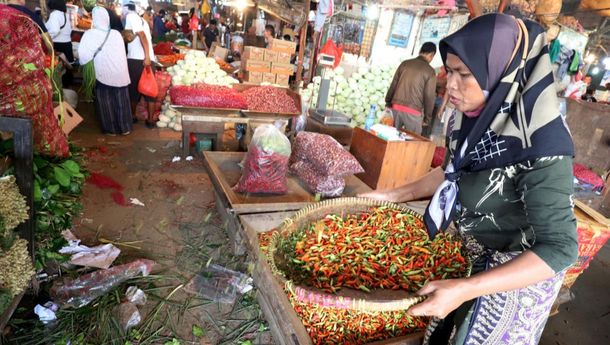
271 65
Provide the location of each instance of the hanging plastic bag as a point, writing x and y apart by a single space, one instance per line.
266 163
148 84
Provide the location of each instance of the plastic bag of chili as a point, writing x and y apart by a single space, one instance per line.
266 163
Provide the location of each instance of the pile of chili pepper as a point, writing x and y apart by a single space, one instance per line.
381 248
344 326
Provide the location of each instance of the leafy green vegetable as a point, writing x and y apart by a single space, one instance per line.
198 331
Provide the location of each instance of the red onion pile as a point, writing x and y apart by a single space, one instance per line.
268 99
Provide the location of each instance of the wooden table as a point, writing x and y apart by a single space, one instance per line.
209 122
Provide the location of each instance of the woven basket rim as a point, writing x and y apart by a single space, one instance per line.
354 304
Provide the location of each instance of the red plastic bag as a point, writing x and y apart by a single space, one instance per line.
330 48
148 84
266 163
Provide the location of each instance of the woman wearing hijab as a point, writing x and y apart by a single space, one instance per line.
507 186
107 50
60 30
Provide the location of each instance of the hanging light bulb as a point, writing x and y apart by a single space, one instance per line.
590 58
241 4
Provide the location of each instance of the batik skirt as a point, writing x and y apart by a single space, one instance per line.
505 318
113 108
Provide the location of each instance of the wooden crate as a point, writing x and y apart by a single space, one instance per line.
391 164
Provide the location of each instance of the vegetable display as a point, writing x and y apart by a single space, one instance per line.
269 99
207 96
383 248
169 117
354 96
197 68
266 163
344 326
164 48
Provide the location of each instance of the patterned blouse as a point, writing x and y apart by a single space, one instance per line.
523 206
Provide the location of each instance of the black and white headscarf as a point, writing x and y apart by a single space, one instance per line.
520 120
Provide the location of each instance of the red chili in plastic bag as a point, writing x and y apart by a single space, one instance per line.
266 163
264 172
207 96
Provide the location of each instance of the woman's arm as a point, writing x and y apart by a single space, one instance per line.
422 188
546 187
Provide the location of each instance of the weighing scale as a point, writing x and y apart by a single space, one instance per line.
322 114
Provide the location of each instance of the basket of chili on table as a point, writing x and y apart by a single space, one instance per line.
351 266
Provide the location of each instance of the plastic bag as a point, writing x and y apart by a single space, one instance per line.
128 315
324 154
148 84
326 186
219 284
85 289
207 96
266 163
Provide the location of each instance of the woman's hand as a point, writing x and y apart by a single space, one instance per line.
444 296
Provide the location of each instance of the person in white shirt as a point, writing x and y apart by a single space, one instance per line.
577 89
59 27
107 50
139 55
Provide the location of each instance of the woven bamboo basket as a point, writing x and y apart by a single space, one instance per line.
378 300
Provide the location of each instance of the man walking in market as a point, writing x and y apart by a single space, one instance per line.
413 89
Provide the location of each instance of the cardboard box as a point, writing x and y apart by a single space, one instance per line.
282 46
282 80
269 78
282 68
253 53
216 51
283 57
256 66
253 77
271 55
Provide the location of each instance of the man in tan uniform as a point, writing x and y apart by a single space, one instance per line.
413 89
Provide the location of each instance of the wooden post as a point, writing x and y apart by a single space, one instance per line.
302 44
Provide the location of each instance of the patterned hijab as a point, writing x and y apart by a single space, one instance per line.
520 120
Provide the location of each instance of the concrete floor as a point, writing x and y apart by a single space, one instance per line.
141 161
